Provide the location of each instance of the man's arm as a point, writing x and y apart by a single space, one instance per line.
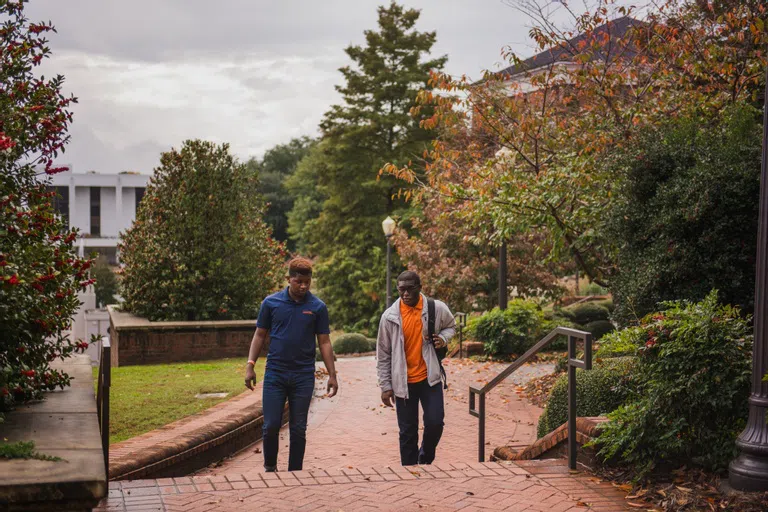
257 343
326 350
384 364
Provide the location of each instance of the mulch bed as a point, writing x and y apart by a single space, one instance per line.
537 390
683 490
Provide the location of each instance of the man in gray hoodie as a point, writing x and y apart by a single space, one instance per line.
409 369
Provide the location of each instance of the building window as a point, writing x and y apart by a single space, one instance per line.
139 196
95 211
61 203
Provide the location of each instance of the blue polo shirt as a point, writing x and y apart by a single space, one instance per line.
292 328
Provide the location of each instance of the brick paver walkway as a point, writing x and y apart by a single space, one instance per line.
524 486
352 460
354 429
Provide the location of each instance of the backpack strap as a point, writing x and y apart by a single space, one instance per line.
431 318
431 332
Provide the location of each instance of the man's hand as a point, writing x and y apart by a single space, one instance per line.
250 377
437 341
387 397
333 386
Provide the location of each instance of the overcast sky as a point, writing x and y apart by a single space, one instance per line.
255 73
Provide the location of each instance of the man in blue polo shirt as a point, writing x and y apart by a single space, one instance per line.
292 318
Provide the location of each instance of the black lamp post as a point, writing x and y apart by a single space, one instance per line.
503 276
388 225
749 471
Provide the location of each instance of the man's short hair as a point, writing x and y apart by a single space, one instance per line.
299 267
409 275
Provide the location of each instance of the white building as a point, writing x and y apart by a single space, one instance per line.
99 205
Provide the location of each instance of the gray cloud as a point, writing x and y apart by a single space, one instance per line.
253 73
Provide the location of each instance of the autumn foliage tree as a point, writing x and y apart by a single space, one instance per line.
458 265
40 273
531 150
199 248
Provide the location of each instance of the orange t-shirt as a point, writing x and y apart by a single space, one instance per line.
412 336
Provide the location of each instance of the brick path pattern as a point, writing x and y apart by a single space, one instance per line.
352 460
540 486
355 429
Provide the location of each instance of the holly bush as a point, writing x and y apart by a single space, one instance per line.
199 248
40 273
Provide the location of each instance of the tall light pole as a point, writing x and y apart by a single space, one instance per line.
503 276
749 471
389 228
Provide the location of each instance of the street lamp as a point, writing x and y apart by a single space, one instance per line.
749 471
389 227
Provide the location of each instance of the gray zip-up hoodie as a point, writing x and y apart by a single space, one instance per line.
390 346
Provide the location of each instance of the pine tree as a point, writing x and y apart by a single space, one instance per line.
372 126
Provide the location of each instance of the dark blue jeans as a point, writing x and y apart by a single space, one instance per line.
297 387
431 399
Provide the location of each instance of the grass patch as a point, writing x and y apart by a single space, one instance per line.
143 398
23 450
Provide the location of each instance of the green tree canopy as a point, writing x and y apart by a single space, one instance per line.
373 125
199 248
308 196
273 169
687 218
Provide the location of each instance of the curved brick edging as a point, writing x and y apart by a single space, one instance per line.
192 443
554 443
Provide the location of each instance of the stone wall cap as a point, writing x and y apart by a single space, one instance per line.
63 425
122 320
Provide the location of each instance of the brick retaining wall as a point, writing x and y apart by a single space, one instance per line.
137 341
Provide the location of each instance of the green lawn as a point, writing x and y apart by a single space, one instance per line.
143 398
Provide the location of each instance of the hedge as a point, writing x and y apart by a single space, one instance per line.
599 391
352 343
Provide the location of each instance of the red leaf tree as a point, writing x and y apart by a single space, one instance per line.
39 271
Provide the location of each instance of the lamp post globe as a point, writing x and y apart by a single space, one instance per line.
388 225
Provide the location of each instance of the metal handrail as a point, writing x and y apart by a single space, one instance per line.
573 363
102 398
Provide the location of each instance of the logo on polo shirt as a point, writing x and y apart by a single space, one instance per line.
307 312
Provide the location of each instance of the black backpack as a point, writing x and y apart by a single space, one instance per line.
441 352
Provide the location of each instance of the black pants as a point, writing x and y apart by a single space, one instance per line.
431 399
